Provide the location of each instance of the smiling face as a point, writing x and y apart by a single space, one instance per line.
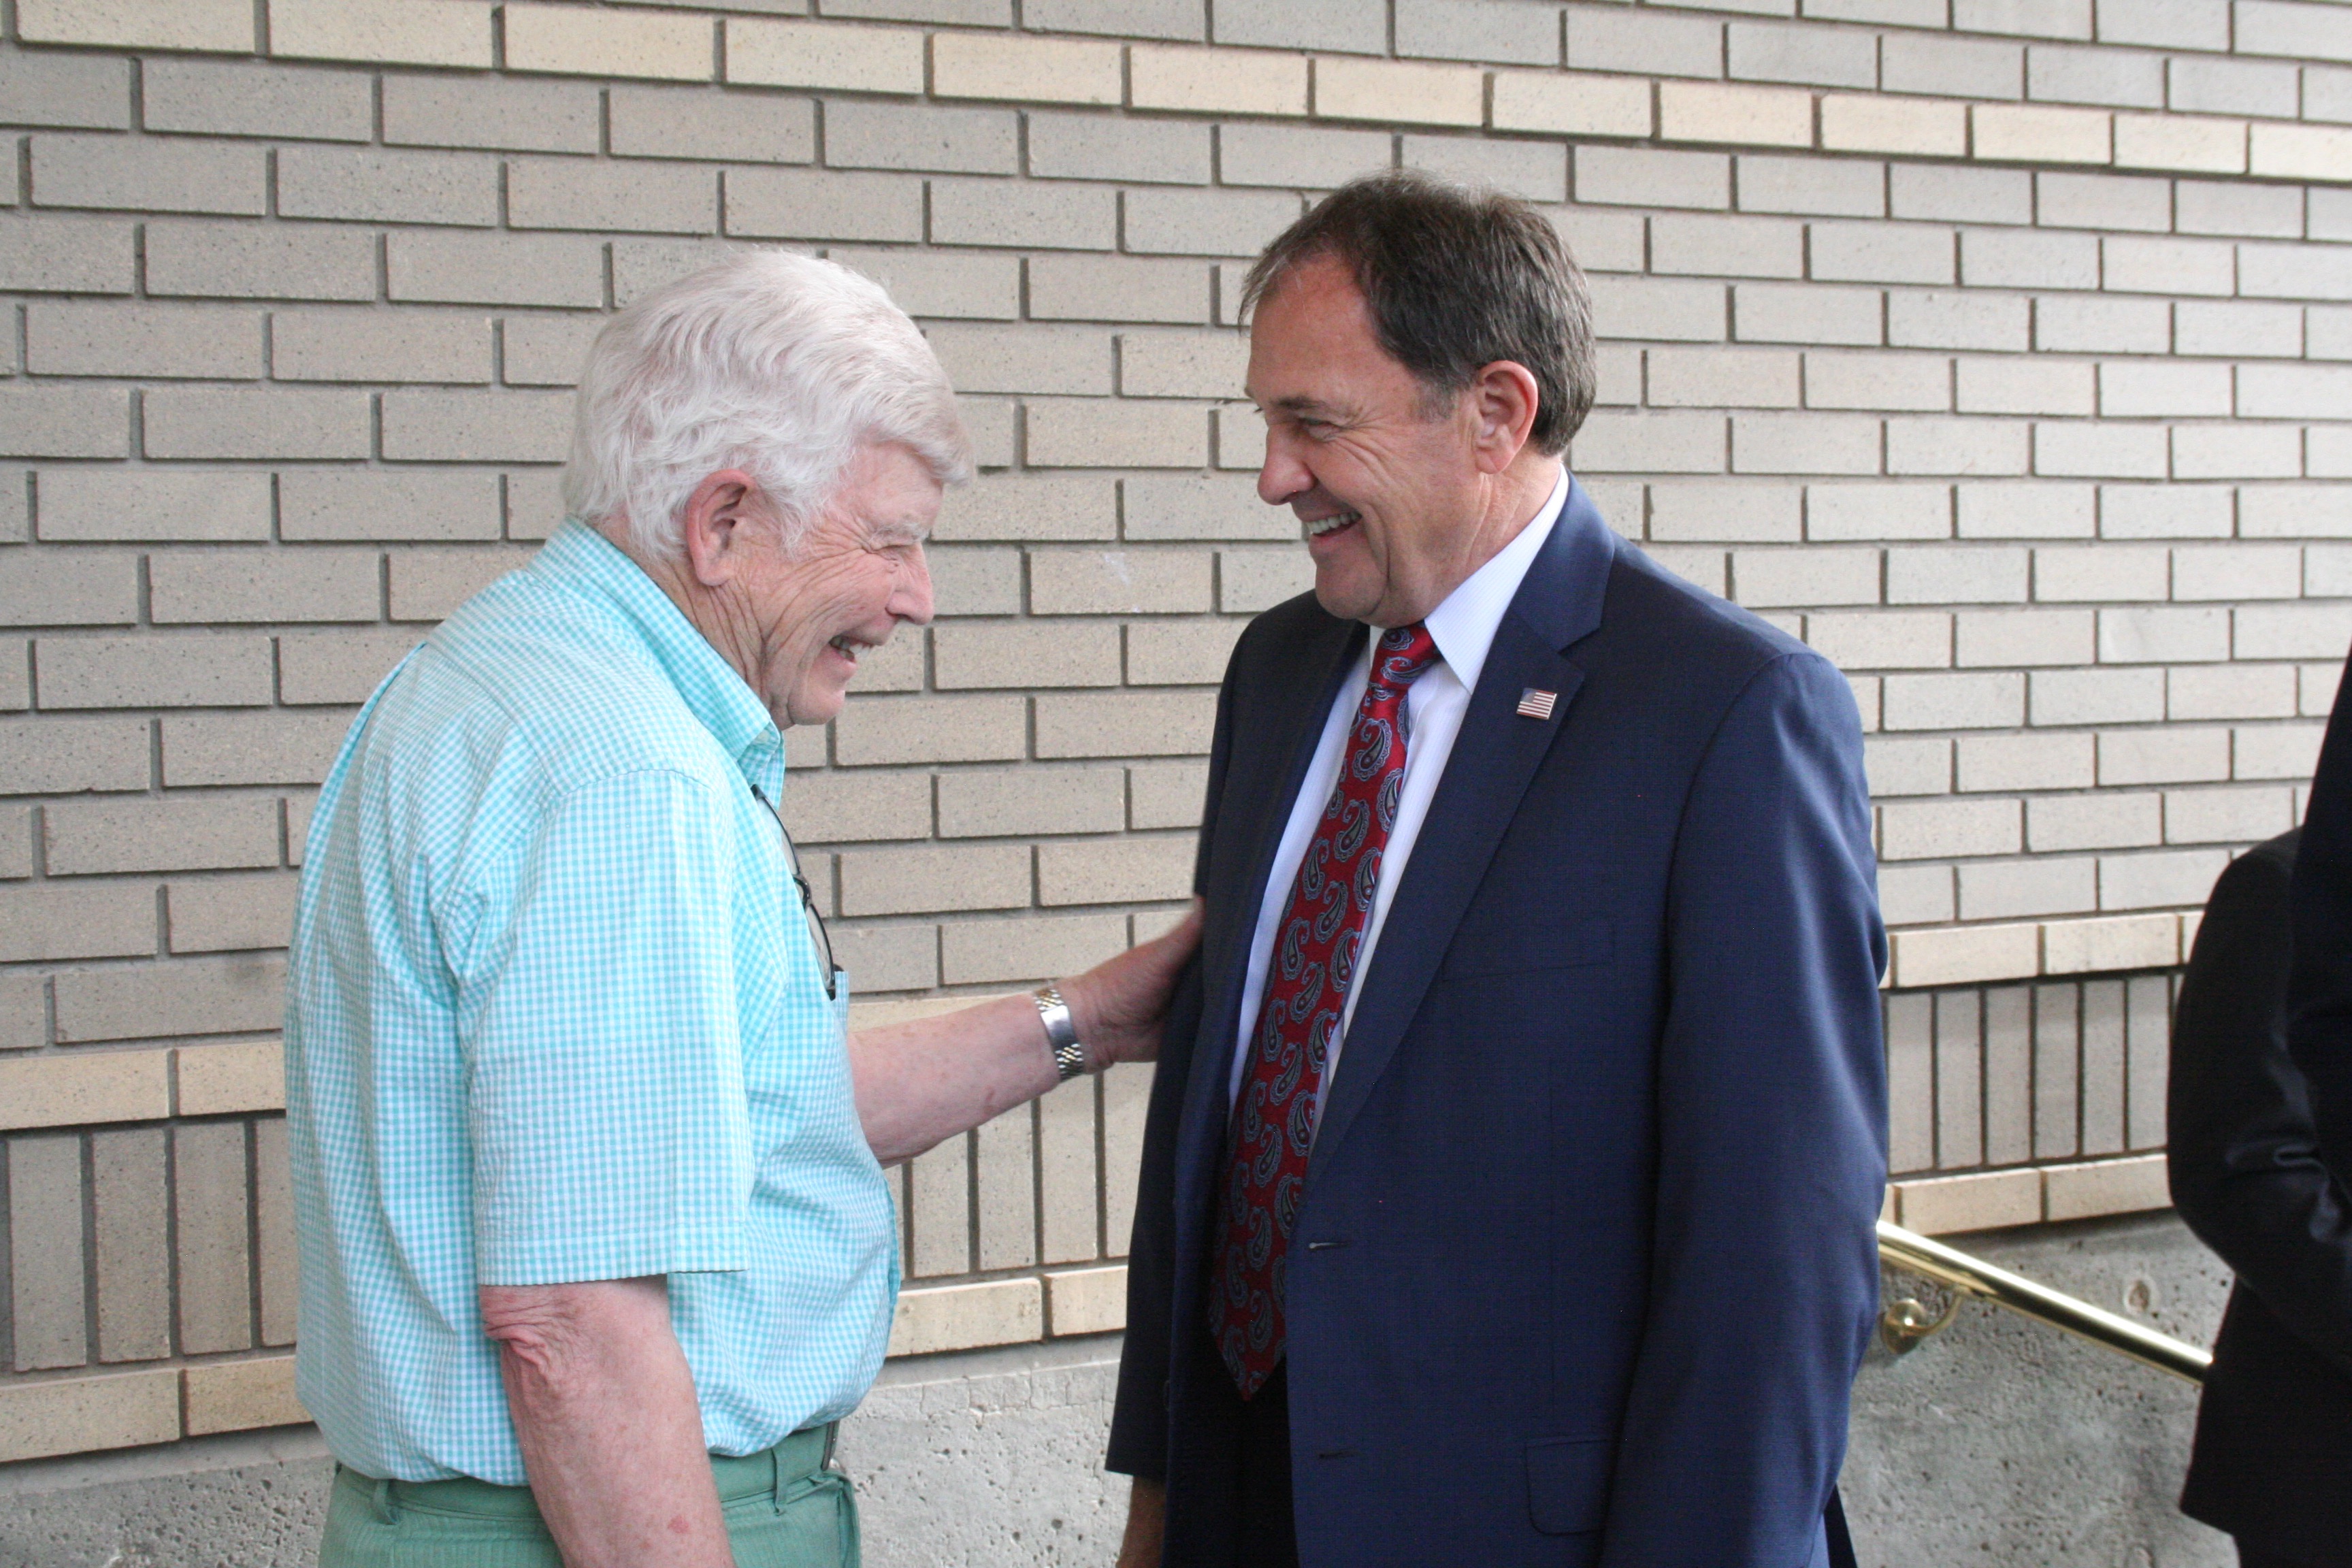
795 623
1386 481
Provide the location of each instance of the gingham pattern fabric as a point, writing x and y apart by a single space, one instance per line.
554 1015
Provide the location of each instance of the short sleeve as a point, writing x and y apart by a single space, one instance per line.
604 1083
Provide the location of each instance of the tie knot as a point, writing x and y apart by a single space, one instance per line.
1403 654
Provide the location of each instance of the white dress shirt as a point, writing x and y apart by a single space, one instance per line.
1463 629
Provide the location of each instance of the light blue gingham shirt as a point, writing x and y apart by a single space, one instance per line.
554 1015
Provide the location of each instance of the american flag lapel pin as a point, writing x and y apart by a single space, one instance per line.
1535 704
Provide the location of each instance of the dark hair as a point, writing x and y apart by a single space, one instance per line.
1455 279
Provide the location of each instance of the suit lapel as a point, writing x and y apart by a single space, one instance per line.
1257 804
1264 797
1494 758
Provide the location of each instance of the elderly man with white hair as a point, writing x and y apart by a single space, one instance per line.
596 1244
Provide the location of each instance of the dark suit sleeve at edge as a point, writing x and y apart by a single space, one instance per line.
2243 1160
1771 1113
2319 987
1139 1427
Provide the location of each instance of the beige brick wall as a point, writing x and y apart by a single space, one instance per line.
2003 353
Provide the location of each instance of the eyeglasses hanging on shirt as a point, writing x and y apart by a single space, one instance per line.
808 898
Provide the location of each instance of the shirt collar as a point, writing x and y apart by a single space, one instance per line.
584 559
1464 627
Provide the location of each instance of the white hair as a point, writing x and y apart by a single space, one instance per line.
781 365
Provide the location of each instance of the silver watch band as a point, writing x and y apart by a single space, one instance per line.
1061 1032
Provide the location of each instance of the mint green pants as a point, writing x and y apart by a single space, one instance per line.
785 1508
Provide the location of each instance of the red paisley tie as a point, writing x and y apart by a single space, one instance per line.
1314 963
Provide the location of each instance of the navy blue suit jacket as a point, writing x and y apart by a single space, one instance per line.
1585 1262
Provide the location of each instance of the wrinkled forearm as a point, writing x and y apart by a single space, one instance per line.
929 1079
605 1410
921 1082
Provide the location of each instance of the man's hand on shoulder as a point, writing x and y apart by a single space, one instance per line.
1121 1003
930 1079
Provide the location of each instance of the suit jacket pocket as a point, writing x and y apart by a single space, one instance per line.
1568 1483
1524 945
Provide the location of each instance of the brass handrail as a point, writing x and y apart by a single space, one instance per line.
1917 1254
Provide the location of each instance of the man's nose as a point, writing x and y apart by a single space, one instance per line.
1283 475
910 597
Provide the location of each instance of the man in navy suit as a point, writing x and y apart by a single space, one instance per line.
1508 1188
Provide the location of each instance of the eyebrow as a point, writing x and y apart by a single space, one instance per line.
898 528
1301 403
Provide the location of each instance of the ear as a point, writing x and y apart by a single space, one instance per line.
1501 401
722 507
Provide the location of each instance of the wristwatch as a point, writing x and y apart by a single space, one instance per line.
1061 1032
